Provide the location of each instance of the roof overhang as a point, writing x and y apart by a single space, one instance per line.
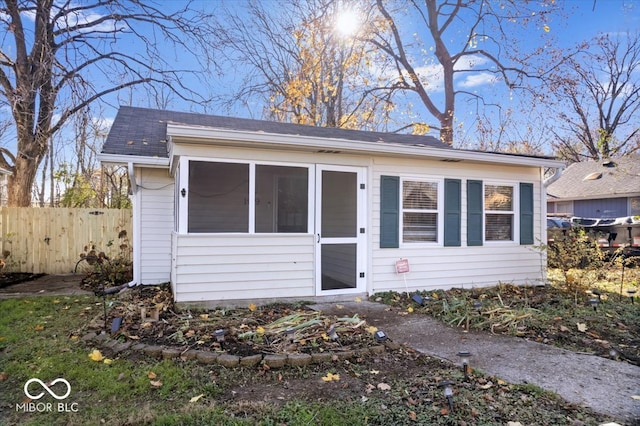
136 160
185 134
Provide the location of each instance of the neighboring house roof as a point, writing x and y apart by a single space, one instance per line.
618 177
143 132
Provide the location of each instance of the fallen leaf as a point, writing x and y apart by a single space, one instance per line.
514 424
155 383
4 376
253 307
444 411
581 326
260 329
196 398
487 386
358 300
108 361
371 329
410 309
151 375
330 377
413 416
204 316
374 371
369 388
74 338
339 306
96 355
564 329
190 333
501 382
132 337
39 327
384 386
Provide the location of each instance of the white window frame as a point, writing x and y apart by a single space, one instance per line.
439 211
184 201
514 212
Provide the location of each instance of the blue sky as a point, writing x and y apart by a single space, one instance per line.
586 19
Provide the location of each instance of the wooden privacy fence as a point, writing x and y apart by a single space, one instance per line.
50 240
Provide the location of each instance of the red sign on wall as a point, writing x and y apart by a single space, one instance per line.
402 266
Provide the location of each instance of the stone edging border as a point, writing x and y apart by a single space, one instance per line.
228 360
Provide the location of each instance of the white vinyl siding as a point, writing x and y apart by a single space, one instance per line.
230 267
440 267
156 197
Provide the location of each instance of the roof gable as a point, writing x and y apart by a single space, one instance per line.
598 179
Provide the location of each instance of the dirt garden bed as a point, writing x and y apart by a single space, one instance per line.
10 278
146 316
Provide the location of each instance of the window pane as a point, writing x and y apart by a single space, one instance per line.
420 195
498 198
499 227
419 227
281 199
218 197
635 206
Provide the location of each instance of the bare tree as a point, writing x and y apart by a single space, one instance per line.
454 39
58 57
298 64
598 100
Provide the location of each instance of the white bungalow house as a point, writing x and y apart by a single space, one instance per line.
230 209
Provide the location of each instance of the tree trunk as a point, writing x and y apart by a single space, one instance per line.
21 182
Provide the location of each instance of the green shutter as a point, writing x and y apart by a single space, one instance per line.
452 212
474 213
389 211
526 213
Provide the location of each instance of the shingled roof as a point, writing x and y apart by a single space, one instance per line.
143 132
598 179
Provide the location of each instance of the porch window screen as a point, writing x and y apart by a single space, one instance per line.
499 212
218 197
281 199
419 211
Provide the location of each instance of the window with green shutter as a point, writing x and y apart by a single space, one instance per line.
389 211
452 212
475 217
526 213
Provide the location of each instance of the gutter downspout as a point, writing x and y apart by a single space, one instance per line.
556 175
135 225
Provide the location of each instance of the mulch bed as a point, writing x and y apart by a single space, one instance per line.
146 315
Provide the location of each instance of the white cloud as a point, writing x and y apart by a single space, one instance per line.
475 80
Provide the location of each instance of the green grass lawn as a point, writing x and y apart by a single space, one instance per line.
41 338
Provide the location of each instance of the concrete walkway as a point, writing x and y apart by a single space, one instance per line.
606 386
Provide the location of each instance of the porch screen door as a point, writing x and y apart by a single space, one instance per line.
340 230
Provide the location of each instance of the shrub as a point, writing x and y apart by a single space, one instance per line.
576 255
